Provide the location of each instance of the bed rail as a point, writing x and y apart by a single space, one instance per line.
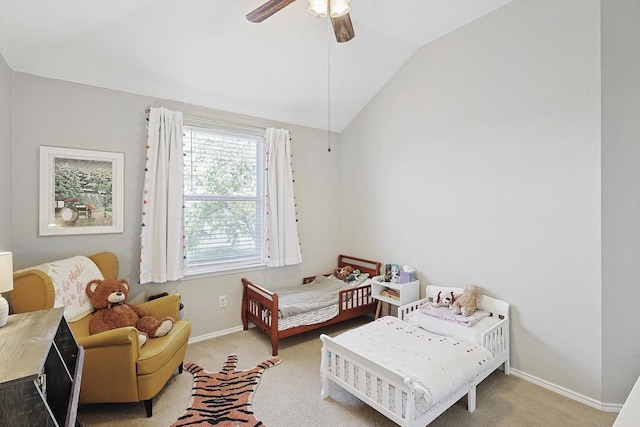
260 307
496 340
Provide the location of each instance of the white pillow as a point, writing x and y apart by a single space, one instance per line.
452 329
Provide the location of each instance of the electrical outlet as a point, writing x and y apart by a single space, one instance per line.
222 301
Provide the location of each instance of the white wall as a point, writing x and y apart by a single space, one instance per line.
620 197
52 112
481 164
6 98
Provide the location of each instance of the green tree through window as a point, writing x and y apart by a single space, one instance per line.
224 199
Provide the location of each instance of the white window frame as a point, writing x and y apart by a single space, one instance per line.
231 265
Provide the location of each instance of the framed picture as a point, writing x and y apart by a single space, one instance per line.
81 191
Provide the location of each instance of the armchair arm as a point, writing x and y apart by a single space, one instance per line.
110 361
121 336
167 306
32 290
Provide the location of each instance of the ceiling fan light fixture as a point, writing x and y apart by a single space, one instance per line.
332 8
318 8
338 8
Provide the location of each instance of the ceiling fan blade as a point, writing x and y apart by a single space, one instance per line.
343 28
266 10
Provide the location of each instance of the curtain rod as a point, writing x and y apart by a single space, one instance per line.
217 122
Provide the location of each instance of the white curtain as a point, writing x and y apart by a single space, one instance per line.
283 245
162 241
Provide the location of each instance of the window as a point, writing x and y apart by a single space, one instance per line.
224 187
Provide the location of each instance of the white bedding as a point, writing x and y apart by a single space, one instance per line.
437 365
448 328
320 293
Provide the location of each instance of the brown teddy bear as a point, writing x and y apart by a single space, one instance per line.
343 273
109 298
467 303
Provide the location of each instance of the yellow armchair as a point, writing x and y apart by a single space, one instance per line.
116 368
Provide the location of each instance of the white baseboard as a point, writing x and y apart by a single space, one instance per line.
607 407
214 334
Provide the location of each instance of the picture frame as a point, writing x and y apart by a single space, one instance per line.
81 191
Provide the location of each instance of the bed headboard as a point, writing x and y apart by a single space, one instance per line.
364 265
492 305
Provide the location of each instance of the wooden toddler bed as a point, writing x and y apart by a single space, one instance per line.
260 306
414 367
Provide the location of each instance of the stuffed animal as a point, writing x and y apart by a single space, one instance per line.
353 276
467 303
444 299
343 273
109 298
395 273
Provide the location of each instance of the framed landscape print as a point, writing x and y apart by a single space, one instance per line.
81 191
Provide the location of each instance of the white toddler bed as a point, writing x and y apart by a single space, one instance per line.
414 367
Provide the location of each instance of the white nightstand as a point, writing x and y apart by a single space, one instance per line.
406 292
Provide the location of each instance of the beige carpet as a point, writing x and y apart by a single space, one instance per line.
289 394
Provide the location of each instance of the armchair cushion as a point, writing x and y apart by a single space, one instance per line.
158 351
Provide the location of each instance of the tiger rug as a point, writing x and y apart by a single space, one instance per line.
223 398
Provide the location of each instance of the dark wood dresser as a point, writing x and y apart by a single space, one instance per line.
40 370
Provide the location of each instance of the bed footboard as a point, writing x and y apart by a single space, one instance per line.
356 301
260 307
358 376
382 389
496 340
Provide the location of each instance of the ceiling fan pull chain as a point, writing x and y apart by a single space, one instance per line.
329 88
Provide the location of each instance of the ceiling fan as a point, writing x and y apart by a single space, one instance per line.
337 10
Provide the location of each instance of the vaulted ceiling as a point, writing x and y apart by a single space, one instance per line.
206 53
